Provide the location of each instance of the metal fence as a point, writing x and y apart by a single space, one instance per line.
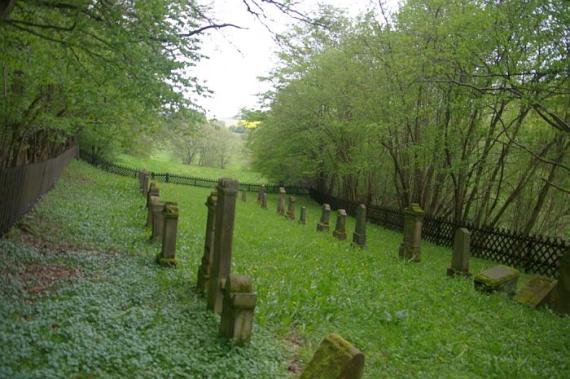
529 253
22 186
184 180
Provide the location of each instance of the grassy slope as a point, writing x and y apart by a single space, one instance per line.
409 319
163 162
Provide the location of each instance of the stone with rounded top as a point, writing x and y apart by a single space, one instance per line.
291 208
461 253
239 302
410 248
340 228
359 235
303 217
324 223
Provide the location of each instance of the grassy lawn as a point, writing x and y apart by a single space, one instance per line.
162 161
114 313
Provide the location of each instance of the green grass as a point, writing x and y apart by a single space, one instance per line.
162 161
409 319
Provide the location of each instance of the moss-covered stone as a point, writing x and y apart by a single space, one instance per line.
166 262
498 278
536 292
336 358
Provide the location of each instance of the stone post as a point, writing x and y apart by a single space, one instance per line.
410 248
359 235
146 182
336 358
238 307
340 228
243 196
291 208
323 225
461 253
303 218
264 200
261 191
167 256
560 299
224 225
281 202
157 219
152 191
206 265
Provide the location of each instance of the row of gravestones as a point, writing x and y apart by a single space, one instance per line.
228 294
539 291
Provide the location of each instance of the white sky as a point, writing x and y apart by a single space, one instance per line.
238 57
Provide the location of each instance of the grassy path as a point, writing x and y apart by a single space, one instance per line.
120 315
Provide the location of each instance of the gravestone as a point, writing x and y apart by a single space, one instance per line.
238 308
410 248
461 253
324 223
291 208
497 279
560 299
340 228
303 217
206 265
281 202
359 235
536 292
336 358
146 182
264 200
243 196
224 226
167 256
152 191
260 192
157 219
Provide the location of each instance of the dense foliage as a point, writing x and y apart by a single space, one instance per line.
461 106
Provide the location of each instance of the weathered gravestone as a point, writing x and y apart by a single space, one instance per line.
536 292
324 224
340 228
146 182
224 226
167 256
410 249
261 191
291 208
207 258
497 279
264 200
336 358
156 207
152 191
560 299
303 217
243 196
238 308
461 253
281 202
359 235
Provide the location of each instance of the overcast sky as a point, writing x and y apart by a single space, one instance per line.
238 57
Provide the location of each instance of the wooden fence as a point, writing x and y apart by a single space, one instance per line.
22 186
184 180
529 253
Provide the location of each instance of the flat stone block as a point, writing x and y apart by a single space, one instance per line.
498 278
335 358
536 292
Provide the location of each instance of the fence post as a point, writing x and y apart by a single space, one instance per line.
167 177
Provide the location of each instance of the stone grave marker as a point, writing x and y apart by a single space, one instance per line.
336 358
537 291
560 299
324 223
261 191
281 202
303 217
410 248
224 229
146 182
238 309
167 256
157 219
152 191
264 200
461 253
340 228
359 235
206 265
498 278
291 208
